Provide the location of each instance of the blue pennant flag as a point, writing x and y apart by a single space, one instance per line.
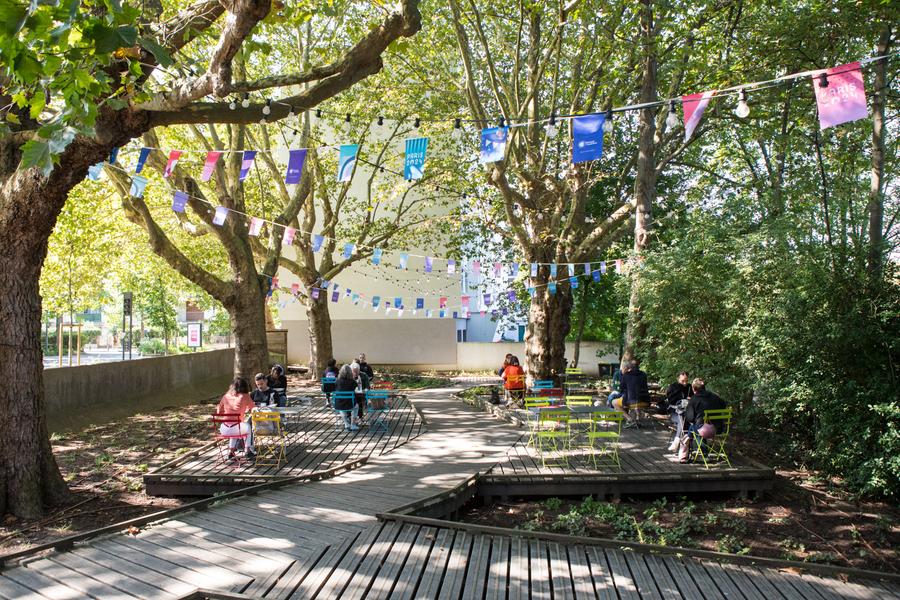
246 164
335 296
142 159
376 256
94 171
511 295
552 287
296 158
442 314
451 267
573 282
532 291
317 242
398 302
348 250
534 268
493 144
376 300
113 155
587 137
414 165
179 200
404 258
347 161
553 270
596 275
420 303
455 315
138 184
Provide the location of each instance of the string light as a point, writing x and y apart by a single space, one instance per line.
823 80
672 117
267 109
743 109
457 129
417 122
502 121
608 122
381 120
552 129
232 105
246 101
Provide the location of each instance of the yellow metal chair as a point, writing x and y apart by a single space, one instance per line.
552 434
268 437
573 373
516 391
605 432
714 449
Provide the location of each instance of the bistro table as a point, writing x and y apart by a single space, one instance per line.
291 415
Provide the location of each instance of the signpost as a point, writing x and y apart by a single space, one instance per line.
126 312
194 335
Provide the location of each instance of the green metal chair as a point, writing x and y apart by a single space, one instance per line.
714 449
531 419
579 420
552 435
604 435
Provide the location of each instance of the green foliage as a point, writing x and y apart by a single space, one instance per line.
152 346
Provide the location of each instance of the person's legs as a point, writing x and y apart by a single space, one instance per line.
684 448
348 422
679 430
612 397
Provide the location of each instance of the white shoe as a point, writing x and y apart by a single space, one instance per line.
673 447
354 428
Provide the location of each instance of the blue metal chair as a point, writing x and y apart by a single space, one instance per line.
542 384
328 384
335 396
379 409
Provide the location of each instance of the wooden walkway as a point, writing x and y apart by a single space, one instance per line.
323 540
313 442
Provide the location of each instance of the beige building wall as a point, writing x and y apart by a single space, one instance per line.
474 356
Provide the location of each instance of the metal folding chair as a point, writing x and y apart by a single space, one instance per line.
237 430
516 391
714 449
268 437
552 434
379 409
606 430
335 396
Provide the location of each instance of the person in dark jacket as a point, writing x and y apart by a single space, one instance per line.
263 395
676 400
345 383
365 367
635 393
278 382
331 370
700 402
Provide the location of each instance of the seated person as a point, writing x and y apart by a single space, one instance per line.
635 393
616 387
331 370
700 402
346 383
677 395
278 382
505 364
513 379
263 395
365 367
237 401
362 384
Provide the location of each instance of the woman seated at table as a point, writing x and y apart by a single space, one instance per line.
514 379
345 382
237 401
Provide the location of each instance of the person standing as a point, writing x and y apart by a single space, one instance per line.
700 402
635 393
677 395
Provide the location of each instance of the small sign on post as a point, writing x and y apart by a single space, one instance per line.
194 335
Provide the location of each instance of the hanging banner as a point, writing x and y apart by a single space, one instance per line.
210 165
404 258
515 269
355 299
693 106
587 268
317 242
376 300
534 268
844 99
498 269
420 303
573 283
414 165
398 302
428 264
451 267
221 214
603 267
442 314
618 265
487 299
347 293
296 158
428 313
246 164
138 184
511 295
553 270
532 291
255 225
315 293
552 287
174 155
464 301
142 159
347 161
587 137
493 144
348 250
179 200
335 296
288 238
94 171
376 256
596 275
295 288
113 155
442 302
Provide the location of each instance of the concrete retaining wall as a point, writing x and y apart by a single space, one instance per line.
78 396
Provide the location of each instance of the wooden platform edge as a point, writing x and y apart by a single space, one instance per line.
747 560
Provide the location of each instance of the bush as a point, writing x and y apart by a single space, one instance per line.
152 346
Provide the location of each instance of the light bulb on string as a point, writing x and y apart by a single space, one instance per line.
743 109
672 117
608 121
246 101
381 120
457 129
417 122
232 105
347 123
552 129
267 109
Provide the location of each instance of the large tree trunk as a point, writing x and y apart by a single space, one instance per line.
248 322
582 319
876 201
549 322
321 349
645 181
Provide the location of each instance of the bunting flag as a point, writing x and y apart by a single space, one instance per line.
587 268
428 313
428 264
587 138
534 268
355 299
442 314
420 303
347 162
552 287
398 302
376 256
571 269
296 158
693 106
94 171
142 159
376 300
482 311
511 295
246 164
515 269
221 214
844 98
476 267
464 301
138 184
347 293
210 165
174 155
451 267
113 155
288 238
255 225
179 200
295 288
493 144
414 165
603 267
553 270
335 296
317 242
442 302
487 299
348 250
573 283
404 258
455 315
498 269
596 275
618 265
532 291
315 293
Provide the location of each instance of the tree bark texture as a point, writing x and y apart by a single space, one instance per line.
321 349
248 321
875 207
549 322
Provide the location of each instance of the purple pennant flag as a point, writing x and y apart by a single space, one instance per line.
315 293
347 293
246 164
288 238
515 269
142 159
428 264
511 295
596 275
296 158
451 267
487 299
255 225
335 295
221 213
179 200
503 311
317 242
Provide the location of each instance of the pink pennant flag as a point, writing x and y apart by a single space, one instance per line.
210 165
255 225
288 239
464 301
618 265
844 99
295 288
498 269
693 106
476 267
174 155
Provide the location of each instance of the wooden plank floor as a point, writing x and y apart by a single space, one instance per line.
393 559
313 442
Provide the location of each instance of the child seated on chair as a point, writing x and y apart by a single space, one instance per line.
237 401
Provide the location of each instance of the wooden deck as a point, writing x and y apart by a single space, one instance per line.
646 467
313 442
323 539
